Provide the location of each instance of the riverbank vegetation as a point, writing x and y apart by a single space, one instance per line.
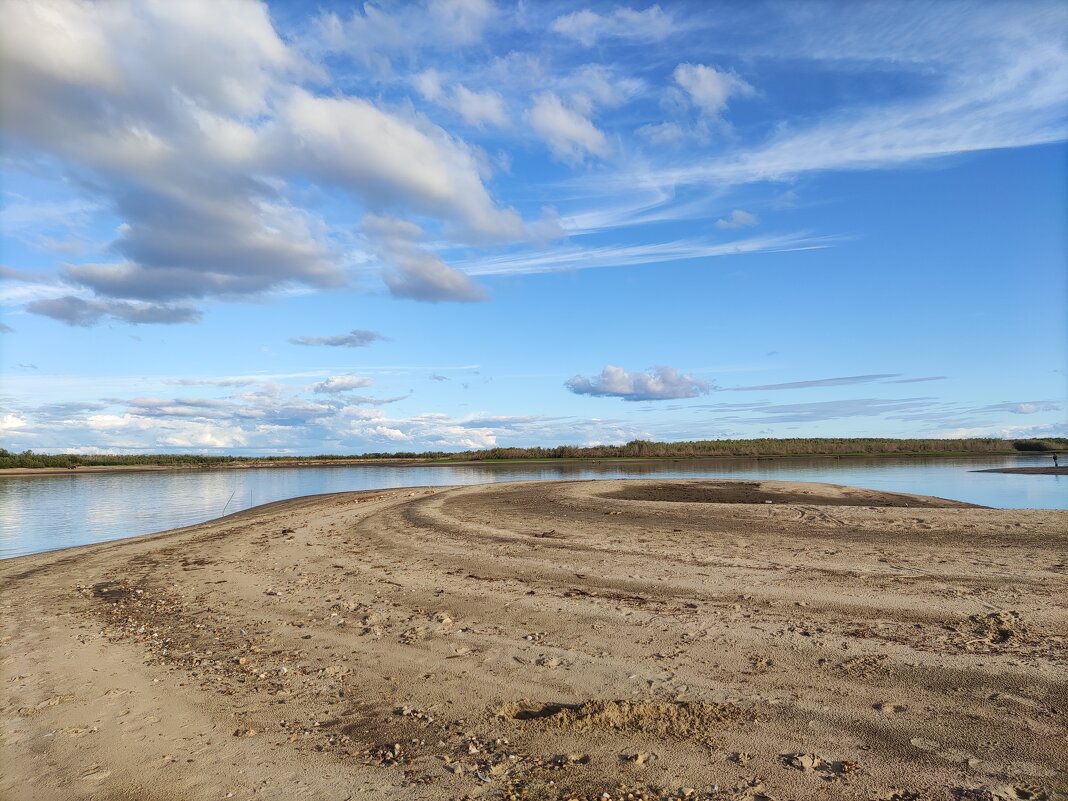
640 449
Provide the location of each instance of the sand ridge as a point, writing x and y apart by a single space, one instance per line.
549 640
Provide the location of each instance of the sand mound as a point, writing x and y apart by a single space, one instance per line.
771 492
680 719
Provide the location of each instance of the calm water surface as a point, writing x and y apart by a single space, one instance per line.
45 513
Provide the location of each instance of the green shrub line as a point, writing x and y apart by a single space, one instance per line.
636 449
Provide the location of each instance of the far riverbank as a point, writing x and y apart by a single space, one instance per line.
31 463
257 464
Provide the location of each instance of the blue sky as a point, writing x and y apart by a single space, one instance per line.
284 228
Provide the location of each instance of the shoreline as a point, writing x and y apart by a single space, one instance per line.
547 640
30 472
1028 471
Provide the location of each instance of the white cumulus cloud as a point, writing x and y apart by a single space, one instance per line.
479 108
738 218
569 134
659 383
588 27
342 383
412 271
197 155
709 88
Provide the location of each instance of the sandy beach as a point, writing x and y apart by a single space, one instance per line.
592 640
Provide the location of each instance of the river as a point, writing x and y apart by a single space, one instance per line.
47 512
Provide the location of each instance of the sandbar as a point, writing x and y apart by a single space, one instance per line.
650 639
1028 471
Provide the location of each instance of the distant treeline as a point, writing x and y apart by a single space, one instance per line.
31 459
775 447
633 449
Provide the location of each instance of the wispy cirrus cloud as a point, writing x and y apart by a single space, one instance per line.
356 338
366 400
214 382
577 257
818 382
1023 407
917 380
821 411
986 85
1007 432
56 223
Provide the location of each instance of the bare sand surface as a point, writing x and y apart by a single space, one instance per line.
591 640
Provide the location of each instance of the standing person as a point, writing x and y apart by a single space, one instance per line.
1055 463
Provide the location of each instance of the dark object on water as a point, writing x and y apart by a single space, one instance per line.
1060 470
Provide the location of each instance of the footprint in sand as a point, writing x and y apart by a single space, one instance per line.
78 731
1030 703
925 745
1024 792
55 700
95 773
949 754
814 763
1027 793
993 631
551 662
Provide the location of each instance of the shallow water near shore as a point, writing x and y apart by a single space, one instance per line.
45 513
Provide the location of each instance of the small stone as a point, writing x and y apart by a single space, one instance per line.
641 758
